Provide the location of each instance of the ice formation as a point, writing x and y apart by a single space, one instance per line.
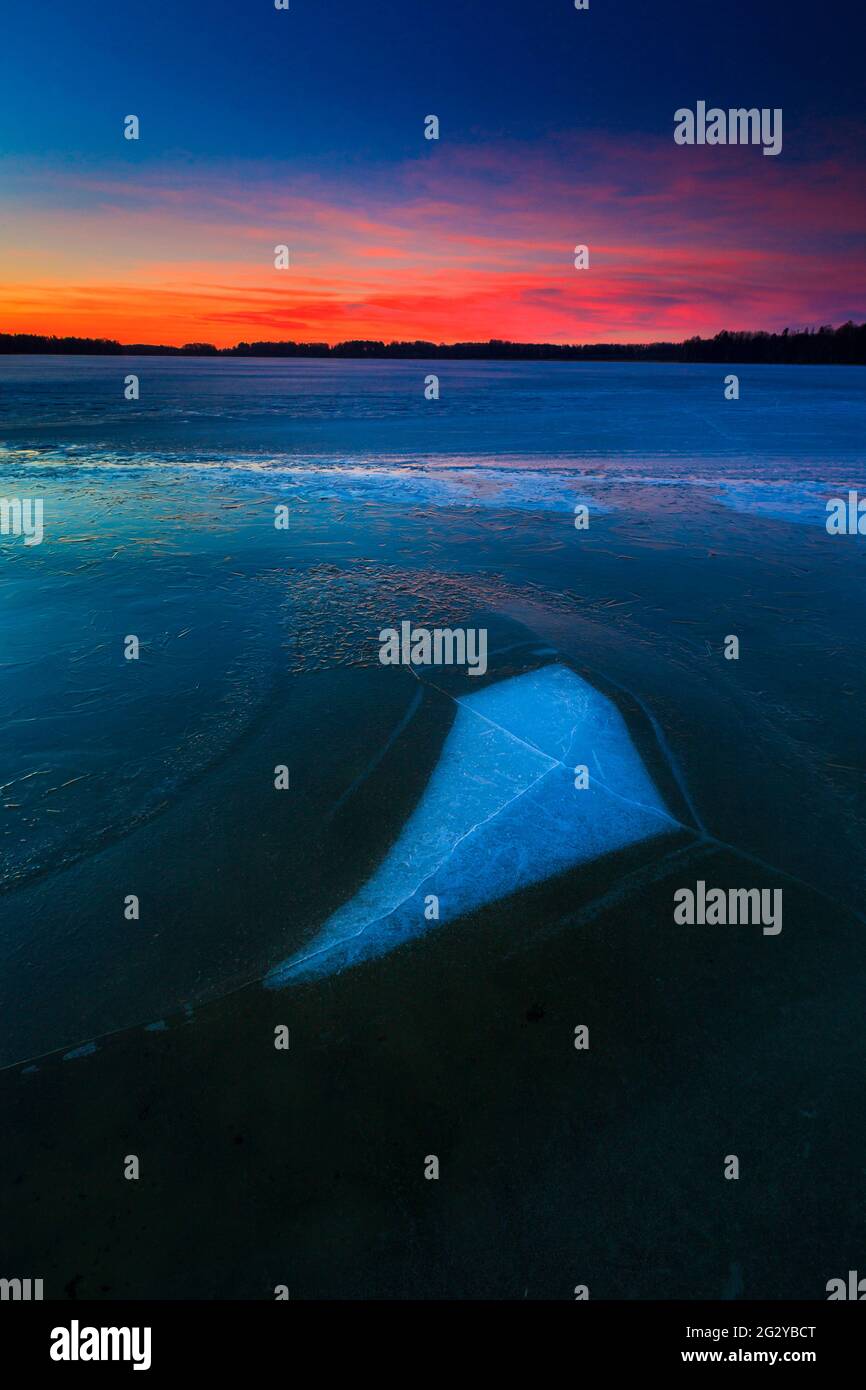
500 812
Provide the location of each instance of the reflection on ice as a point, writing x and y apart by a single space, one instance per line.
501 812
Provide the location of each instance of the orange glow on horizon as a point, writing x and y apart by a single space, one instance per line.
631 300
187 255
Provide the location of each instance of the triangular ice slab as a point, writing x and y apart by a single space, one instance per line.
500 813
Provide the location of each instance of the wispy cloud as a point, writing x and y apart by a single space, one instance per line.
462 243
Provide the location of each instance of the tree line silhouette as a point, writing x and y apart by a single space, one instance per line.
843 345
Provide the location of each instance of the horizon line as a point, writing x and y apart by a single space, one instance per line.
849 334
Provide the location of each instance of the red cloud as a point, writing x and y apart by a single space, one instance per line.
476 243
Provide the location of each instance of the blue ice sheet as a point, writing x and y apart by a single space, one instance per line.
500 813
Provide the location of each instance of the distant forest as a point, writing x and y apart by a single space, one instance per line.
844 345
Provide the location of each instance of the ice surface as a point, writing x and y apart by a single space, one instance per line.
85 1050
500 813
804 502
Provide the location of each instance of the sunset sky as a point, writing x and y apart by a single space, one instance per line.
306 127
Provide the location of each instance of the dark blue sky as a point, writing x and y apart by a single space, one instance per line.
229 78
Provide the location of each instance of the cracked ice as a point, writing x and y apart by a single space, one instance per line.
500 813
